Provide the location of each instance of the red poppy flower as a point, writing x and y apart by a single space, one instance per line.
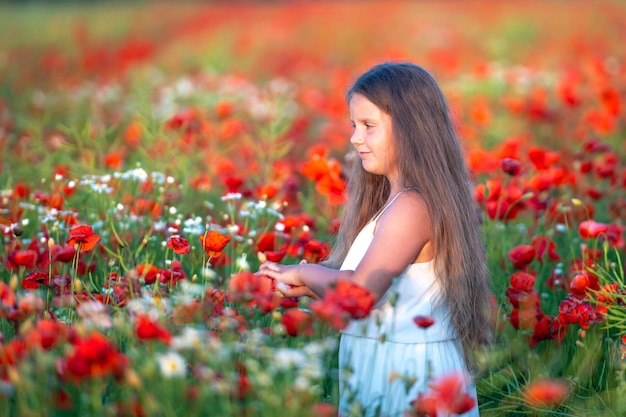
547 328
331 313
544 245
83 238
353 298
322 409
525 316
424 321
448 394
266 242
179 244
93 356
583 282
573 310
591 229
297 322
345 301
315 251
522 281
511 166
521 255
148 272
63 254
174 274
7 296
425 404
147 329
213 243
546 392
34 279
267 192
246 287
45 334
12 352
26 258
610 98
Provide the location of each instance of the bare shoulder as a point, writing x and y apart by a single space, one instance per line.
408 212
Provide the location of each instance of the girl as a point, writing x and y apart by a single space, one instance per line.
410 235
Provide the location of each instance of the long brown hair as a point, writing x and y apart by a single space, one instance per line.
431 161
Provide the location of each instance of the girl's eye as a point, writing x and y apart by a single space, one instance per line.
368 126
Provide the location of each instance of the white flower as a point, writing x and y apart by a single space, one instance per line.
189 338
231 197
172 365
242 262
94 313
289 358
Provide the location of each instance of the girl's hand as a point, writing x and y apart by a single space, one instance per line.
288 291
288 281
288 274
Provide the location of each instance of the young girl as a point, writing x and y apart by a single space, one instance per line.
410 235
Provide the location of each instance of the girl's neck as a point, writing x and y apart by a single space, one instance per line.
394 187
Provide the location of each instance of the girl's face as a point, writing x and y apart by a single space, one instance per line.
372 137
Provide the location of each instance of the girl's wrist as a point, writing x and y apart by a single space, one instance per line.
300 273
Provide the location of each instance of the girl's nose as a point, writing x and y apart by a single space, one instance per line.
356 138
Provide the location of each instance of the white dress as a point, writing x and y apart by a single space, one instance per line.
380 353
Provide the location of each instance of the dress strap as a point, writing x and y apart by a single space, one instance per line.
388 204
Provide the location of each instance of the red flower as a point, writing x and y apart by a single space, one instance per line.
174 274
83 238
526 316
448 394
353 298
315 251
583 282
424 321
7 296
590 229
63 254
26 258
149 272
522 281
546 392
146 329
11 352
330 313
246 287
297 322
266 245
179 244
266 242
34 279
92 357
547 328
521 255
45 334
345 301
543 245
213 243
511 166
573 310
322 409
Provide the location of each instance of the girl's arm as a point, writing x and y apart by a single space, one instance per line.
315 278
401 234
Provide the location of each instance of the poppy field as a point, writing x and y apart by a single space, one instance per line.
154 154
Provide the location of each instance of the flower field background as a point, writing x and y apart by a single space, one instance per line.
153 154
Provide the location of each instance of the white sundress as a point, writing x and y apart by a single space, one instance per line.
388 343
